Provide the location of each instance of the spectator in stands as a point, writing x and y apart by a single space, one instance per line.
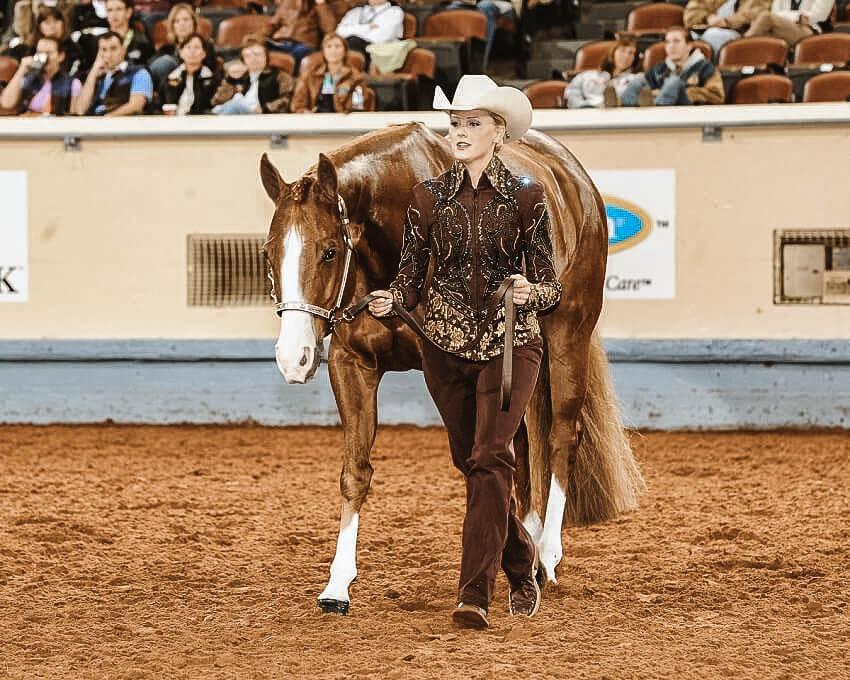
331 85
190 87
719 21
181 23
493 10
41 84
379 21
793 20
298 25
119 14
50 23
151 11
114 86
24 24
251 85
592 88
684 77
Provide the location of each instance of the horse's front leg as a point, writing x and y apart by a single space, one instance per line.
356 392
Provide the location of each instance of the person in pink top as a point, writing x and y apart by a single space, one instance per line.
41 85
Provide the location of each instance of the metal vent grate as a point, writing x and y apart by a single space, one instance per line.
227 270
811 266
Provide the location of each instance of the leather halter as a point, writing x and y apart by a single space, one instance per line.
315 310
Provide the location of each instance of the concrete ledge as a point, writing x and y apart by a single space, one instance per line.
662 384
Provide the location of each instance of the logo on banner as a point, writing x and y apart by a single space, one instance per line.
628 224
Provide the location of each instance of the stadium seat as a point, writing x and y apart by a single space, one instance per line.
409 29
282 61
231 31
766 88
400 90
159 35
546 94
828 87
756 52
8 66
247 5
591 55
419 62
654 17
456 24
823 48
655 53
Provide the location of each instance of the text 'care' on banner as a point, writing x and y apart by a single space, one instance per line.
14 279
641 211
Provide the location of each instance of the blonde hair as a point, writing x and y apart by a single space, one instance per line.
172 16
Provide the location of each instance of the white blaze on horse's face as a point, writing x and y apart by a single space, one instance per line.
298 348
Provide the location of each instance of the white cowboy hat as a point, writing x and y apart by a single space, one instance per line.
480 92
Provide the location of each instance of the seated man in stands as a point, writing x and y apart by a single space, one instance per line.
299 25
41 84
684 77
719 21
251 85
377 22
793 20
114 87
119 14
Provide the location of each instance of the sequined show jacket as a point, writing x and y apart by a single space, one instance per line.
478 237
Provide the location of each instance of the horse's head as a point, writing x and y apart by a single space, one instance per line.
306 251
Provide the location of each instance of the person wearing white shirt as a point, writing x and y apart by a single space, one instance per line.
792 20
377 22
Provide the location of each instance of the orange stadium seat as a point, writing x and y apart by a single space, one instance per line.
8 66
757 52
457 24
546 94
231 31
419 62
282 61
403 84
655 17
591 55
823 48
159 35
655 53
827 87
766 88
409 29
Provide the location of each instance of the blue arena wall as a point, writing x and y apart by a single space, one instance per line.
662 384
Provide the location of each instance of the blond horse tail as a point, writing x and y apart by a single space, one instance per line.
604 479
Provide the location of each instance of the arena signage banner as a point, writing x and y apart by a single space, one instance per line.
14 279
641 211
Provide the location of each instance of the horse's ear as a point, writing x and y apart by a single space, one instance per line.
272 181
326 175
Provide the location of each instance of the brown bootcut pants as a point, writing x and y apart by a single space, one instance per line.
481 440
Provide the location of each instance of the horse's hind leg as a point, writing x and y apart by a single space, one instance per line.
356 391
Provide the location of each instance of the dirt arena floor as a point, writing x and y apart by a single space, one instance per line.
198 552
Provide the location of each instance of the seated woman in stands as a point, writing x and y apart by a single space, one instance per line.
49 23
331 85
181 23
41 85
251 85
588 89
190 87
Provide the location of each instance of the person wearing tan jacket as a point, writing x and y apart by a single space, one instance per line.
299 25
719 21
331 86
793 20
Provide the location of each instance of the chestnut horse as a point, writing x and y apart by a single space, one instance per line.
336 235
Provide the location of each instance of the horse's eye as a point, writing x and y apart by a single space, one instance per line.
329 254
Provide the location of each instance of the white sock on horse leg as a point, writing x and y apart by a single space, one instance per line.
551 550
533 526
344 566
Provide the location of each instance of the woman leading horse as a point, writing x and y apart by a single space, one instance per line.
481 224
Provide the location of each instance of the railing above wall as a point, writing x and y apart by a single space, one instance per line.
552 120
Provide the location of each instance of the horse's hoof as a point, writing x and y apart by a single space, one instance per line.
334 606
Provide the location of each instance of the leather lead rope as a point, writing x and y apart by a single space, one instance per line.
491 310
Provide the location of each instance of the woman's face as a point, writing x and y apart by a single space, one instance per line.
193 53
624 56
183 24
51 27
334 51
254 58
473 135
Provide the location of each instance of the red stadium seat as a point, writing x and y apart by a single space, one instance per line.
282 61
457 24
655 17
767 88
546 94
591 55
8 66
756 52
828 87
231 31
824 48
409 29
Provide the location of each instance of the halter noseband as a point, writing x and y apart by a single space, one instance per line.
315 310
